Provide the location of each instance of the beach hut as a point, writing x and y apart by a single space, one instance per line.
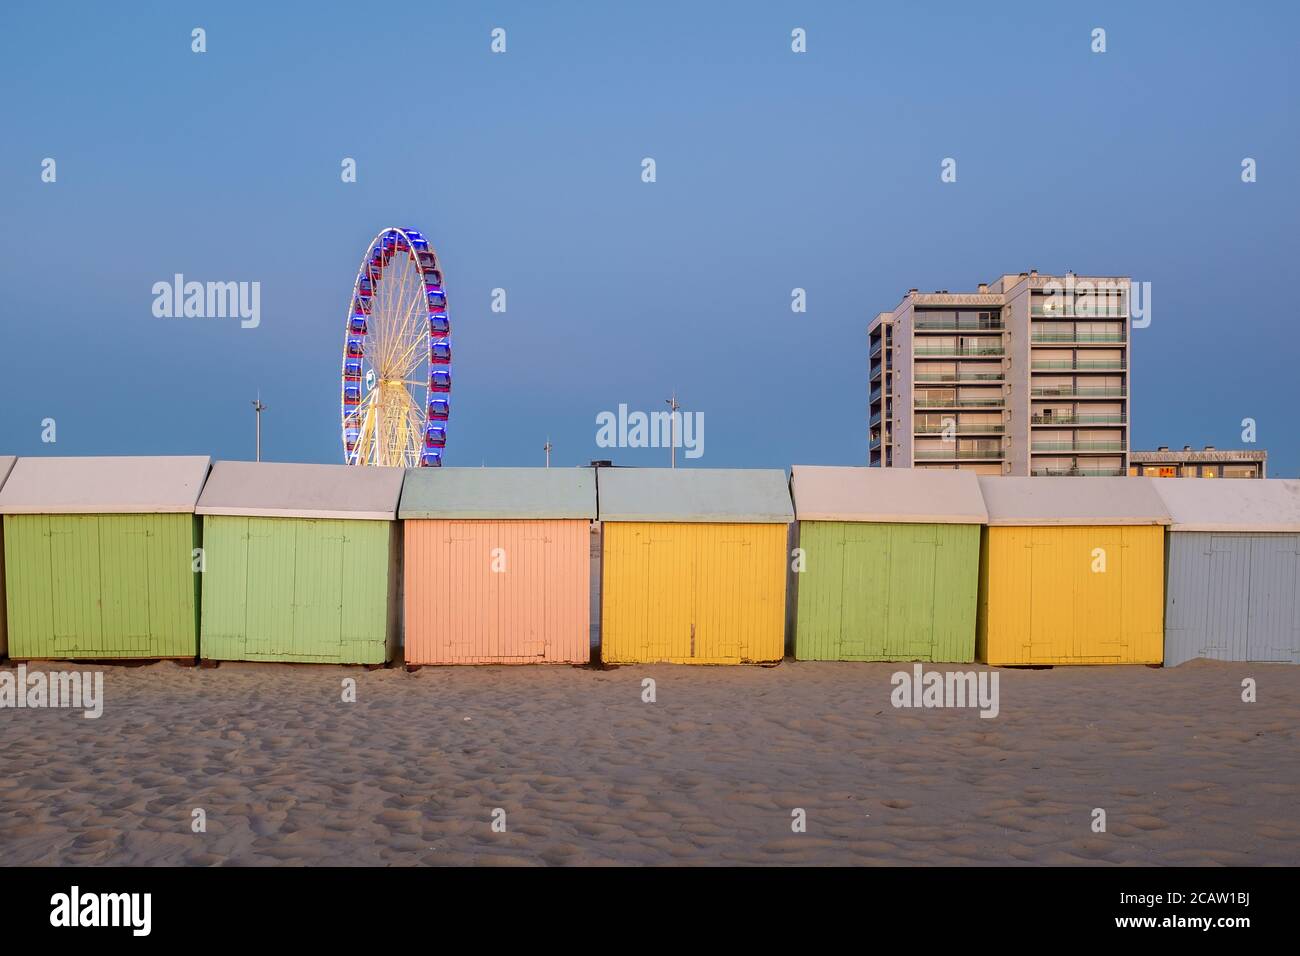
890 563
300 563
6 466
1071 571
694 565
100 556
497 565
1233 570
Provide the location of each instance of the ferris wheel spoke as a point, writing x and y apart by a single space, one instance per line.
399 341
410 358
398 302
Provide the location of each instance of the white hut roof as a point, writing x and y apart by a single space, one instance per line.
740 495
118 485
523 493
270 489
899 495
1072 501
1231 504
6 466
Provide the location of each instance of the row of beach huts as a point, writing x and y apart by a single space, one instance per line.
176 557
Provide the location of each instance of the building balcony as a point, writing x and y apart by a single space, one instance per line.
954 454
961 429
1082 391
1113 312
1094 447
952 325
951 378
1077 366
1078 472
1077 338
1079 420
991 351
958 403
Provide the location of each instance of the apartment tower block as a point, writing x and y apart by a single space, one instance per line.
1027 376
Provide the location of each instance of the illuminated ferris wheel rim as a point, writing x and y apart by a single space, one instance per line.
391 333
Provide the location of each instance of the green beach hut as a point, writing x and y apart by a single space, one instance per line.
99 557
890 563
300 563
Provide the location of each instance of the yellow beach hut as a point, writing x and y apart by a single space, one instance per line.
693 564
1071 571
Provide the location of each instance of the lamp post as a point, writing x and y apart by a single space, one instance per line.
672 427
258 408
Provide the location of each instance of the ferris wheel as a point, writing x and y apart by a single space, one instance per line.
397 356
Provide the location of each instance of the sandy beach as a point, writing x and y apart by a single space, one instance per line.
588 773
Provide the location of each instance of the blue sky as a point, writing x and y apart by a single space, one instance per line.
774 170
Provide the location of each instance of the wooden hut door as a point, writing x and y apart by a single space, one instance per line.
318 592
670 610
863 591
468 634
124 555
912 590
1228 597
74 583
534 623
726 597
269 598
1051 596
1271 633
